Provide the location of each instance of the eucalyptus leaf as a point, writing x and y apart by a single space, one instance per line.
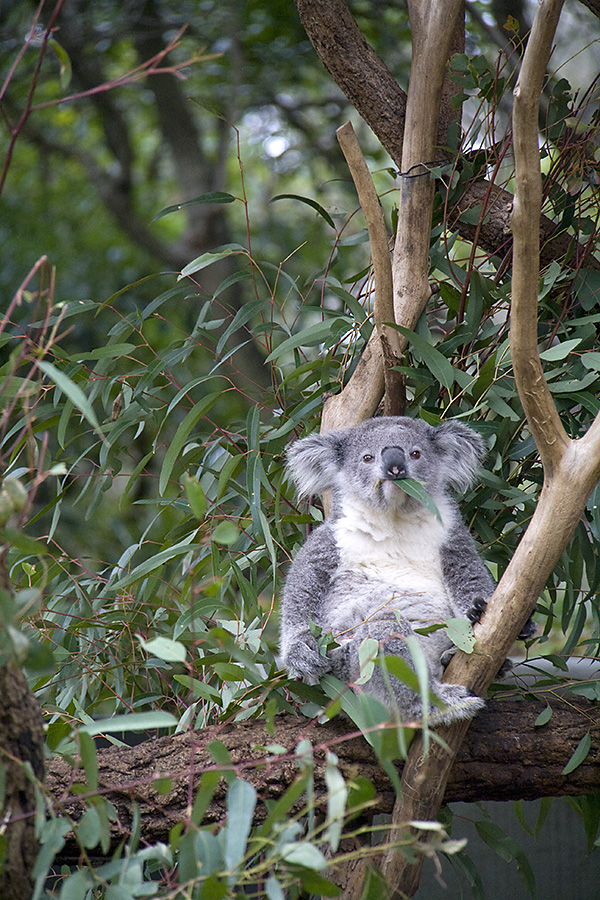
417 490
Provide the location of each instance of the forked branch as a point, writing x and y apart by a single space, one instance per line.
571 469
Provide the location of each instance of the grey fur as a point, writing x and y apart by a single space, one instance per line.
382 564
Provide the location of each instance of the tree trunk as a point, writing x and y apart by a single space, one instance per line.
21 755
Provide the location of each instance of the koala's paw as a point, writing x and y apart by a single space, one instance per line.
460 703
475 613
303 660
528 631
505 669
447 656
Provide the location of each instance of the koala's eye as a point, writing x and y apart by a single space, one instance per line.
415 454
368 458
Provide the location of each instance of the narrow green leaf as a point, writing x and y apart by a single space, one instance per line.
337 796
89 828
367 654
495 838
64 63
309 202
111 351
315 885
279 812
591 360
155 562
303 854
273 889
181 436
89 758
543 717
22 542
207 259
219 753
241 801
400 669
416 489
131 722
435 361
206 790
210 197
199 688
581 751
195 496
320 333
226 533
72 391
560 351
242 316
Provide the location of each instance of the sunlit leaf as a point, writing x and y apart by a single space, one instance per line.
241 800
148 721
164 648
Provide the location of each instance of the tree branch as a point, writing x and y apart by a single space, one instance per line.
383 307
505 757
356 69
430 51
571 477
538 405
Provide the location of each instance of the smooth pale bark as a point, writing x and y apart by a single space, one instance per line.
571 468
339 408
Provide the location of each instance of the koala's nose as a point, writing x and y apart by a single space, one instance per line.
394 463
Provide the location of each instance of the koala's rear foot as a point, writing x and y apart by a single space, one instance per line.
460 703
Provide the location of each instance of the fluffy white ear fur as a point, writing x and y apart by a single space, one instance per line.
315 461
464 450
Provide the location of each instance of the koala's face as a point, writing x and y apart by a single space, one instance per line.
368 460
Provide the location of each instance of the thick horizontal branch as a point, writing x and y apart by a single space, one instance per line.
504 757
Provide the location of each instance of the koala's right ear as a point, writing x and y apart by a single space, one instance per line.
315 462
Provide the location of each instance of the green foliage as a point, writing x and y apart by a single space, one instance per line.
148 557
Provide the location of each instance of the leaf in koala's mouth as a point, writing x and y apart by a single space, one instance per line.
415 489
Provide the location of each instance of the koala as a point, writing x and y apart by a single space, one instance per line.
382 564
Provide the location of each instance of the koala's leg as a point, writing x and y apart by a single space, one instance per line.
402 702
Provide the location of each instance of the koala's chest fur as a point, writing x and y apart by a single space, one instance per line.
401 548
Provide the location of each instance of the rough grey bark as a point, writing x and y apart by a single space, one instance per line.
504 757
21 745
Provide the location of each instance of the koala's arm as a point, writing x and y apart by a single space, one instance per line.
466 577
307 584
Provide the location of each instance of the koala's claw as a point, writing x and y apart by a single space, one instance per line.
478 608
460 703
447 656
528 630
505 669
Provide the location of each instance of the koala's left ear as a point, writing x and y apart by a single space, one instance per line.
464 450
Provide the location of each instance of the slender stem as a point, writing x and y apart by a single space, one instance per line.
538 405
392 342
